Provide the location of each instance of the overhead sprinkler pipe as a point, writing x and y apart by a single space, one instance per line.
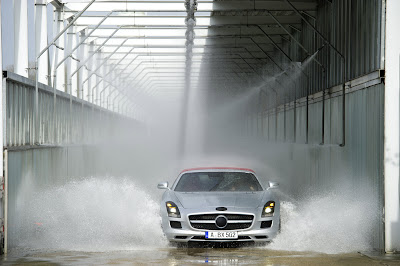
301 70
148 87
119 94
103 78
98 83
343 71
323 73
129 94
274 43
276 93
114 105
123 92
280 49
149 74
97 50
101 102
133 71
137 83
294 39
105 61
272 60
109 95
119 72
122 105
76 47
125 107
36 137
323 94
84 63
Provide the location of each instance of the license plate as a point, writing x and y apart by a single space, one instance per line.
221 235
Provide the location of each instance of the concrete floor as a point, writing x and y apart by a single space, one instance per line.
196 256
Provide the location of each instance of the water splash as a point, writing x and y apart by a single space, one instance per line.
309 59
95 214
331 223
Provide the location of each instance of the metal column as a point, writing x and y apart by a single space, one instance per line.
90 79
3 214
82 74
59 82
41 41
391 128
21 37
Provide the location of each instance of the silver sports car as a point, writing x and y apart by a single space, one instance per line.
219 205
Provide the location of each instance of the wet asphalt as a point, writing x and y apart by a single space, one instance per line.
195 256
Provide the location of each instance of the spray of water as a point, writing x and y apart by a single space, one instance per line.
309 59
94 214
103 214
328 223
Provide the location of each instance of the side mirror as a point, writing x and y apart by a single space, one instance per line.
273 184
162 185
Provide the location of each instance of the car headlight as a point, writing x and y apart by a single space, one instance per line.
172 210
268 209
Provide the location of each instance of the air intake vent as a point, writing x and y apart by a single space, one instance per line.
175 224
266 224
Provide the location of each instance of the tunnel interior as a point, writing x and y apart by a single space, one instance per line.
117 96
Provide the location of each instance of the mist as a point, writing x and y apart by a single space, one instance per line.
117 207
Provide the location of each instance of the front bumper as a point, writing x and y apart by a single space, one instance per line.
254 233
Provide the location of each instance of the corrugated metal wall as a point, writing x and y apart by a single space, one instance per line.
353 27
63 152
71 122
319 166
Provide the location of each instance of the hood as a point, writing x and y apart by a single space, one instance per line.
219 199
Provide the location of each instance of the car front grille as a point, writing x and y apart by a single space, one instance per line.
214 216
234 221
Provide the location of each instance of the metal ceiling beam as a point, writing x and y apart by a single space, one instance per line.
56 3
183 37
214 21
216 5
182 14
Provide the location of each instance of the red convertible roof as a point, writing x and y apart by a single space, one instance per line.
218 168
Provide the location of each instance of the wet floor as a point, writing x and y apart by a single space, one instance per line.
195 256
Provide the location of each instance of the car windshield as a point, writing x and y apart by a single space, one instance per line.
218 181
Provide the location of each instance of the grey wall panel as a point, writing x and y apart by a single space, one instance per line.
354 28
72 121
359 163
280 126
289 125
315 123
300 124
